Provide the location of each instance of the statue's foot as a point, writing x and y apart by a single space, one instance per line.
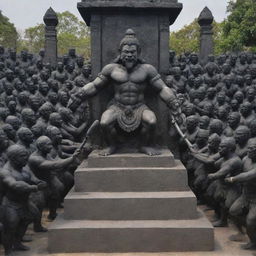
248 246
237 237
20 247
220 224
108 151
150 151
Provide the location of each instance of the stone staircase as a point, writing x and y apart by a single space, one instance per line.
130 203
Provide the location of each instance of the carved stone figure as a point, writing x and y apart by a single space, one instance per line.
130 77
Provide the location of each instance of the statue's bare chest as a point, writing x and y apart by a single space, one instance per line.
121 76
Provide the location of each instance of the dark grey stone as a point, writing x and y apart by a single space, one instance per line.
131 179
206 38
51 21
131 236
166 159
150 20
130 206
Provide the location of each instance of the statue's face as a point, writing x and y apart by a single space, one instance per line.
194 59
213 144
57 136
86 71
252 150
4 143
241 136
233 121
47 147
239 97
28 137
234 104
248 79
12 105
9 75
203 123
20 159
191 123
44 88
11 133
30 117
129 56
245 109
243 58
224 148
226 68
251 94
60 66
53 97
64 98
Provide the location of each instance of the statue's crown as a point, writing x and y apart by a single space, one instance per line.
129 39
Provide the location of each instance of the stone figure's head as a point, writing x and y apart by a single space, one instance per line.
44 144
234 119
248 79
194 58
204 122
86 70
192 123
53 97
25 135
9 131
44 88
72 52
223 112
252 149
34 102
252 127
66 114
211 68
214 142
239 96
216 126
54 134
17 155
63 97
202 138
42 53
14 121
129 49
55 119
4 142
246 109
242 134
45 110
60 66
28 116
80 61
227 146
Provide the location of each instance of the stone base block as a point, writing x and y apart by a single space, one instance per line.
130 206
138 179
67 236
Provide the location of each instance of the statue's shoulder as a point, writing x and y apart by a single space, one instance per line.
150 69
108 69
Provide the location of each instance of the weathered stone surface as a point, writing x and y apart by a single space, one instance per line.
131 179
130 206
130 236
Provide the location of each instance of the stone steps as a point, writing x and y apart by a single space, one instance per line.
147 179
76 236
130 206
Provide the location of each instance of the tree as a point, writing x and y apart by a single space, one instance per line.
187 39
239 29
72 33
8 33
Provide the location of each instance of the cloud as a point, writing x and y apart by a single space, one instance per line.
28 13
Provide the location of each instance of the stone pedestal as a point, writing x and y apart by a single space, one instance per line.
131 203
150 20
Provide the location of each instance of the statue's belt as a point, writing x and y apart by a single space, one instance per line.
129 117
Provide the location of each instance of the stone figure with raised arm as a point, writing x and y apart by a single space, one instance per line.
130 77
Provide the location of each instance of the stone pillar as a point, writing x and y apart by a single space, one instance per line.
51 21
150 20
206 39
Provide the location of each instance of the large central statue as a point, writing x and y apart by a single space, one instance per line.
130 77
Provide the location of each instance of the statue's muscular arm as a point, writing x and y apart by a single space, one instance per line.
100 81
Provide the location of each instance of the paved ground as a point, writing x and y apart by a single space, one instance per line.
223 247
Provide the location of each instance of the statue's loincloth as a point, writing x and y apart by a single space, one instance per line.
129 117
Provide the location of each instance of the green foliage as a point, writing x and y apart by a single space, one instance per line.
187 39
239 29
8 33
72 33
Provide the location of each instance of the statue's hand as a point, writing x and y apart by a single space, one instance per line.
76 98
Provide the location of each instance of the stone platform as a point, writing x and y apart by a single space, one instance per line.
130 203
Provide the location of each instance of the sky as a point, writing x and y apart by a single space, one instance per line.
28 13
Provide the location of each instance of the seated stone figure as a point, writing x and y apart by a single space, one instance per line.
130 77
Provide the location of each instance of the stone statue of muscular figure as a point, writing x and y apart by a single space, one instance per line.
130 77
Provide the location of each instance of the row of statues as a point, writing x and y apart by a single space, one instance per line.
218 100
45 114
39 139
